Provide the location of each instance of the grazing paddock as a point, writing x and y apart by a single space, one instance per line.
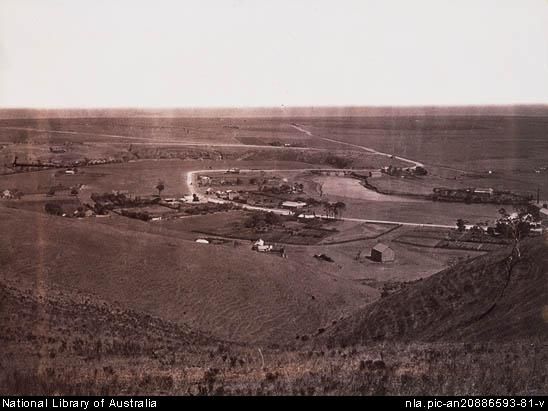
351 231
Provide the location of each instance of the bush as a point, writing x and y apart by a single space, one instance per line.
54 209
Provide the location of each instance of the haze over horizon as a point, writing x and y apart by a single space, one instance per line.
256 54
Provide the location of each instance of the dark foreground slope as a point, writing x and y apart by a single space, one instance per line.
63 343
491 298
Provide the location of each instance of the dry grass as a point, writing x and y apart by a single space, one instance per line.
111 351
265 299
488 298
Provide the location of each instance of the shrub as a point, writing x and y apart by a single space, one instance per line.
53 209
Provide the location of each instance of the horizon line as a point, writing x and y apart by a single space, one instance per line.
351 106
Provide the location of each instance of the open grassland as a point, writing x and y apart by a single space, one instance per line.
422 212
265 299
123 129
351 260
443 140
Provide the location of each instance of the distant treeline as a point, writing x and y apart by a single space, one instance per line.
470 196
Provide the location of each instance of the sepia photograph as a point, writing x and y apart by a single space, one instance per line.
273 198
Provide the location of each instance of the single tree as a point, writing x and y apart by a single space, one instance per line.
515 226
160 187
339 208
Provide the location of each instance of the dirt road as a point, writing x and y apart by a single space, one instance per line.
368 149
191 186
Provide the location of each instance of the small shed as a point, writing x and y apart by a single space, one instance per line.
382 253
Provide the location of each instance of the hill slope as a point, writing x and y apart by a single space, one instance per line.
74 344
229 292
485 299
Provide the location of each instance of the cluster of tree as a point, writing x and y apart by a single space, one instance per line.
139 215
57 210
469 196
54 209
208 208
260 219
281 189
514 226
336 161
334 209
110 201
74 190
331 209
410 171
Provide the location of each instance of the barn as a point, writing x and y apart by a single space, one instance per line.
382 253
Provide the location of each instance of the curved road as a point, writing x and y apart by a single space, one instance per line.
190 174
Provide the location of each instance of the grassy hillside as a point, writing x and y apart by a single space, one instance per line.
59 339
490 298
230 292
73 343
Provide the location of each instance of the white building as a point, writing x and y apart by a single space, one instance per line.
293 204
260 246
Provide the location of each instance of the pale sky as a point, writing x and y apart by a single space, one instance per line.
226 53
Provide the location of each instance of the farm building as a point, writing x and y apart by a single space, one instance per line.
293 204
204 180
232 195
261 246
488 191
382 253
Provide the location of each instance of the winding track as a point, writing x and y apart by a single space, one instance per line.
368 149
190 174
190 179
